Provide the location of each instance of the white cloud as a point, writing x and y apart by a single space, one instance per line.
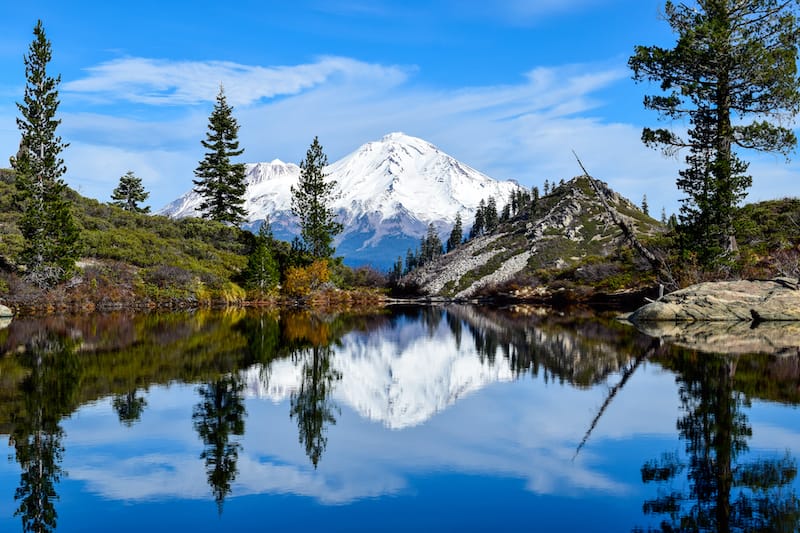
166 82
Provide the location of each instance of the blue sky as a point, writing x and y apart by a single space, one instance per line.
510 87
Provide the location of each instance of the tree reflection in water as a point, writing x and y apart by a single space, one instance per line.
48 394
309 339
724 495
129 407
311 404
217 418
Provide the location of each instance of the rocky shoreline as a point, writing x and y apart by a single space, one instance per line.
744 300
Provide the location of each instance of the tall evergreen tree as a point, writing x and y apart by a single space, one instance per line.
480 221
490 218
734 61
129 193
396 271
431 246
456 234
411 261
311 203
51 236
262 272
645 206
220 182
505 214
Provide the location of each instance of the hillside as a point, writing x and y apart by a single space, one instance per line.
568 234
387 192
130 257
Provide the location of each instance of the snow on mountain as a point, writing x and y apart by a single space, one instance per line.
388 191
400 378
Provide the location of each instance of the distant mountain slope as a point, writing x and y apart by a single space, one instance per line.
388 191
565 228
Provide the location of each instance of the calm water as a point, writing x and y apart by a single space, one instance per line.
456 418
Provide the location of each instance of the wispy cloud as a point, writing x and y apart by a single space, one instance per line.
165 82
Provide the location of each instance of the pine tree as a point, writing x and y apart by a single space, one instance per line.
129 193
431 245
505 214
397 270
51 236
733 61
456 234
513 202
490 214
262 273
220 182
479 224
645 207
411 261
311 203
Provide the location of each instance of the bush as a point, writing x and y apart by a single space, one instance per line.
300 281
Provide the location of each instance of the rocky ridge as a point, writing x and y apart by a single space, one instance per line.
565 228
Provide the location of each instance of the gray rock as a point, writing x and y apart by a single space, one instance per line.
778 338
5 311
777 299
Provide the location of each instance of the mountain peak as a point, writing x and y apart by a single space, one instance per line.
398 136
387 193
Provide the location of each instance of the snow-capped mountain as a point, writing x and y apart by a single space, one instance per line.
388 191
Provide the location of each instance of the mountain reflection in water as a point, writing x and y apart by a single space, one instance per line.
354 408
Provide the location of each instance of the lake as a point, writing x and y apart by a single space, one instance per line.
411 418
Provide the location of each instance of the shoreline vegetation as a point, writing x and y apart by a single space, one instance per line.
136 261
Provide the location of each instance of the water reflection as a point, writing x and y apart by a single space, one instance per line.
217 419
47 393
129 407
725 493
311 403
327 376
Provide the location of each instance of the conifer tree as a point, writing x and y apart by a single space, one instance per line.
129 193
490 214
262 272
505 214
397 270
733 74
456 234
51 236
480 221
220 182
645 206
311 201
513 202
431 246
411 261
